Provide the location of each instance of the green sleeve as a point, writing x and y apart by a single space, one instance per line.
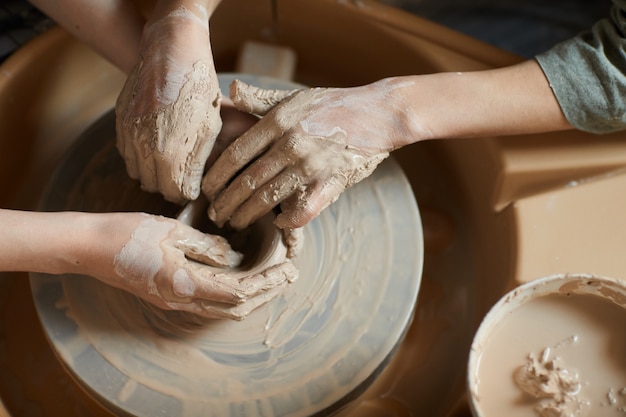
588 74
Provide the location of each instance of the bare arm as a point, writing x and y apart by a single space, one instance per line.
111 27
504 101
25 248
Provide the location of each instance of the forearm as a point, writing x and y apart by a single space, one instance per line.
187 14
173 23
505 101
111 27
64 242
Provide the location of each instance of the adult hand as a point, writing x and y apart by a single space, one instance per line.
234 124
309 147
168 112
176 267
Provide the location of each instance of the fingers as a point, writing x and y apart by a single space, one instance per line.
153 170
238 312
137 147
254 100
236 287
299 205
181 165
165 161
237 155
246 184
235 123
212 290
259 189
252 143
210 250
165 179
256 284
255 290
264 200
301 202
303 207
139 141
298 211
241 205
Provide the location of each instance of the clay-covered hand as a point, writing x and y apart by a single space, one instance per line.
176 267
234 124
168 112
309 146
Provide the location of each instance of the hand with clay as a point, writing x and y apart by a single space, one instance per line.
307 149
168 113
176 267
158 259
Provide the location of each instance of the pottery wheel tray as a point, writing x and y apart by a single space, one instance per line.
310 351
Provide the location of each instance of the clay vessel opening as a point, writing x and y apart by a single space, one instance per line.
257 243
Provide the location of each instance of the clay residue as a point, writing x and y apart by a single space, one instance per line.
294 239
145 241
256 100
555 385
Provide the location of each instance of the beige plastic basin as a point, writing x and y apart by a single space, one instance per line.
53 88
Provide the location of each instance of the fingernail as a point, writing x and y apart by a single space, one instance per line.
212 213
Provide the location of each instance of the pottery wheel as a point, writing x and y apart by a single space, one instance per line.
310 351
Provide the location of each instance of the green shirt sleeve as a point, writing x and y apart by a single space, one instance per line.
588 74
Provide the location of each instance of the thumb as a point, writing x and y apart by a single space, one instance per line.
210 250
255 100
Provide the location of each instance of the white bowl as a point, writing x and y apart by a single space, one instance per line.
555 346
